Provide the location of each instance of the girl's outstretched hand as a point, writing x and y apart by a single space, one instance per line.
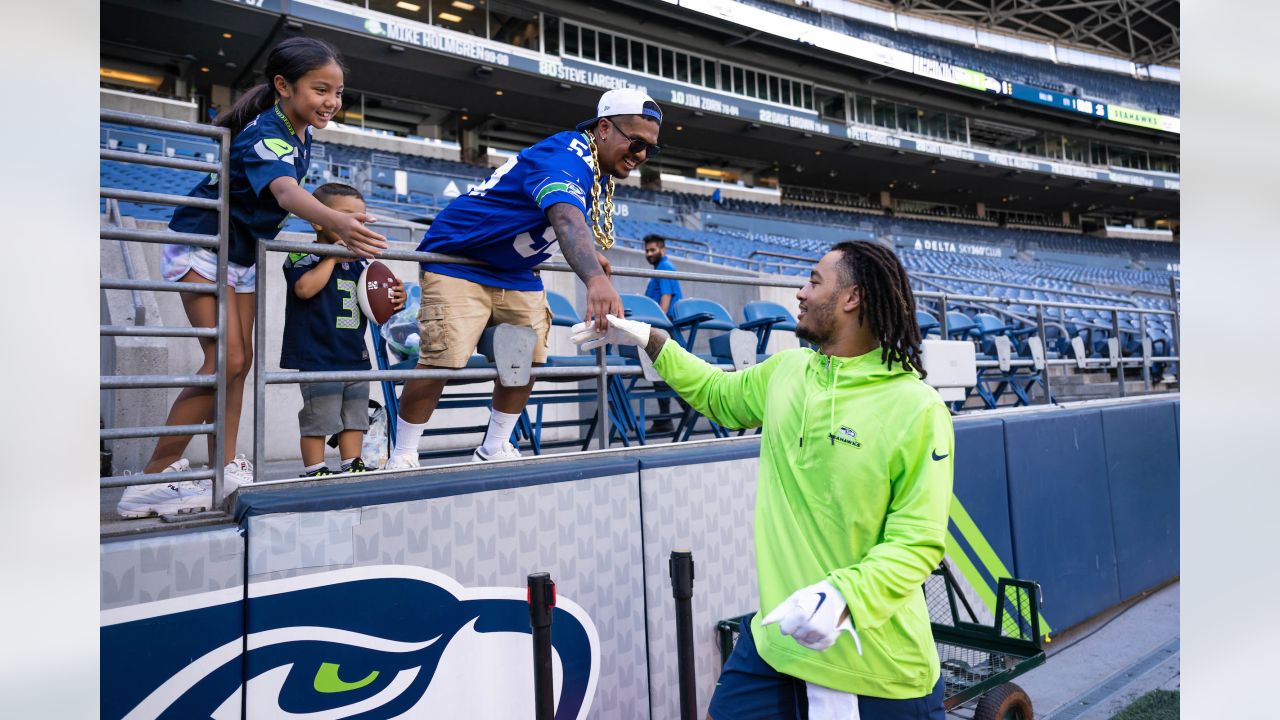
351 230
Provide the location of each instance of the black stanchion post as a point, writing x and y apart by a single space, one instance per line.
542 599
681 569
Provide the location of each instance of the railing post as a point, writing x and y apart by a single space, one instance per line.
680 568
1142 339
1115 333
1044 345
218 492
259 360
542 601
602 406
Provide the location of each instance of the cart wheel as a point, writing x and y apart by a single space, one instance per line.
1004 702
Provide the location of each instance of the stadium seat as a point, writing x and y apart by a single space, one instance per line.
763 317
929 325
692 314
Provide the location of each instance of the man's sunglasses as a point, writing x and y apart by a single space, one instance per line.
638 146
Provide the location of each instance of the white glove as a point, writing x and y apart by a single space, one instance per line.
620 332
813 617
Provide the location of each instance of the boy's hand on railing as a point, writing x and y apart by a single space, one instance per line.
619 332
398 295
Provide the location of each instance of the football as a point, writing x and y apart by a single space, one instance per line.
374 291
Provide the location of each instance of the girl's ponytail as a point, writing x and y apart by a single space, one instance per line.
291 59
249 106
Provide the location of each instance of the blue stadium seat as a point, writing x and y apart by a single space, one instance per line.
762 317
929 325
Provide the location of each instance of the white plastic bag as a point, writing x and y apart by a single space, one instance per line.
374 451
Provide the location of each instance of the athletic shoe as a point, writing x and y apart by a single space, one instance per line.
660 426
508 452
178 498
318 472
246 467
401 462
236 473
356 465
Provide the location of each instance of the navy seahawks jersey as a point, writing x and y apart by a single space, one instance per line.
326 330
503 220
265 149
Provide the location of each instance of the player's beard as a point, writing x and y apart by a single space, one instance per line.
816 327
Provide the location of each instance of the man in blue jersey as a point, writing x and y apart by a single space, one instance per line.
559 190
666 292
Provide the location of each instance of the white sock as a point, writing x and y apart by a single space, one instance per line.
408 435
500 426
311 468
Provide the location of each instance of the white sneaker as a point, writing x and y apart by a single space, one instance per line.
178 498
508 452
236 473
401 462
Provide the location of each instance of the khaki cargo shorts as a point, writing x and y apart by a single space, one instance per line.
455 312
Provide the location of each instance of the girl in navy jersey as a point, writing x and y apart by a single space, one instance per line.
271 128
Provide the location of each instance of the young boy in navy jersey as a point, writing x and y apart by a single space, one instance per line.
324 330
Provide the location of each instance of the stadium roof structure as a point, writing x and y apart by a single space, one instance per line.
1144 31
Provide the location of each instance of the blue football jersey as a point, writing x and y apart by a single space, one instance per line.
265 149
503 220
326 330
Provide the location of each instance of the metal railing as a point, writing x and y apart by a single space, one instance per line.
218 333
601 372
1118 364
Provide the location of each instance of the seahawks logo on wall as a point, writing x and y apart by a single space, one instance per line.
369 642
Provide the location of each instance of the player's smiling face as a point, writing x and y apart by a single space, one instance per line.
821 301
614 146
315 98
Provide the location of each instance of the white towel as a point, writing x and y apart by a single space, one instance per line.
828 704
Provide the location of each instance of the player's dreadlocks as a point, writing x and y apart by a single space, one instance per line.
887 301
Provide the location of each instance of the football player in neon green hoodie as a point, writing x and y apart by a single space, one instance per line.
851 506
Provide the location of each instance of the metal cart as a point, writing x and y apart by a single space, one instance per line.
979 661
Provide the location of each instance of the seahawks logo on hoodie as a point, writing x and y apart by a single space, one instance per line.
846 435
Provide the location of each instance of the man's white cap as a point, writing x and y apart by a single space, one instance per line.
624 101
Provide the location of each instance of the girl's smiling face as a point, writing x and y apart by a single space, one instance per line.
314 99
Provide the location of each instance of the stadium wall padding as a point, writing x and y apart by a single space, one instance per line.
1060 511
1143 479
1082 500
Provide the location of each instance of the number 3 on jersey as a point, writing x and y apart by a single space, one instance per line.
526 246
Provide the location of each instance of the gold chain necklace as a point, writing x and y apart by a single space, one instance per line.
602 228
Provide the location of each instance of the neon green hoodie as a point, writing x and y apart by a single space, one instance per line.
854 487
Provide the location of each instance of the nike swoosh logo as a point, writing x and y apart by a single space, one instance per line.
822 597
936 456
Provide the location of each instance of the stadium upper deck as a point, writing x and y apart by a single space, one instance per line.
1034 62
741 107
